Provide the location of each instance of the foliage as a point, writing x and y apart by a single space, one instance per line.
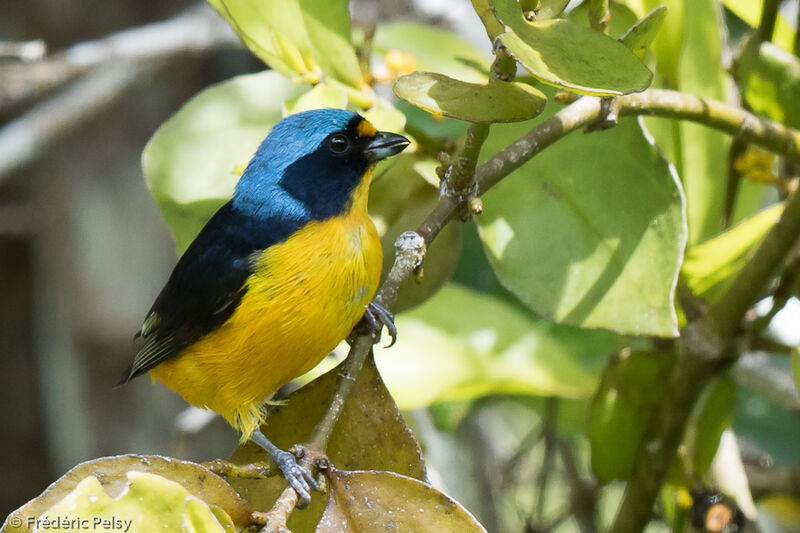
559 315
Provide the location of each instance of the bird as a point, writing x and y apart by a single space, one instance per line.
276 278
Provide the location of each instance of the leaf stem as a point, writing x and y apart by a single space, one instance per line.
599 15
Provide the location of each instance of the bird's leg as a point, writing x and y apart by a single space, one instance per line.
300 479
375 317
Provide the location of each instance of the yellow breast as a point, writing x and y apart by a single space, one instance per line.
304 297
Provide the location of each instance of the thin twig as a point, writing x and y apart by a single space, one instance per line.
549 423
27 137
195 30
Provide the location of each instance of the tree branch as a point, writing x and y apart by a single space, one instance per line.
703 347
195 30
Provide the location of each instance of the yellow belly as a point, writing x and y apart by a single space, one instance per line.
304 297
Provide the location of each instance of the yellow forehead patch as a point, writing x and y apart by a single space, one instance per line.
366 129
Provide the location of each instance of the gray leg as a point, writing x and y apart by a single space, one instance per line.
298 477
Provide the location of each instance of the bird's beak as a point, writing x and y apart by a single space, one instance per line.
384 145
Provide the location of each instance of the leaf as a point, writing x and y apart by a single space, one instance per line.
710 265
150 503
462 344
434 49
641 35
750 12
561 53
273 30
590 232
384 501
189 162
622 18
328 25
713 415
494 102
370 435
795 362
704 152
549 9
115 472
322 95
771 82
622 409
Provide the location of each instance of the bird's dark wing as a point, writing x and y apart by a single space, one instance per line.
205 287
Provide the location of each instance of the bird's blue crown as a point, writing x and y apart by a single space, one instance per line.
292 176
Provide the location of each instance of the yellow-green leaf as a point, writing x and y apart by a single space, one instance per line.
187 479
461 344
472 102
750 12
590 232
641 35
771 83
567 55
273 30
708 266
363 502
328 25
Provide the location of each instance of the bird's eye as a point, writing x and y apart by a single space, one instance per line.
339 144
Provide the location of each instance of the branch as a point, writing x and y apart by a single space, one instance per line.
766 26
692 370
410 251
653 102
195 30
25 138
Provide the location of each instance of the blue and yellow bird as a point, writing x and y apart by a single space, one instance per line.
276 278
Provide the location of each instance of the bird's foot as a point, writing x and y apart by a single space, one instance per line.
375 318
296 474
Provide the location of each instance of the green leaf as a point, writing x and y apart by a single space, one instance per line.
462 344
795 361
181 479
750 12
322 95
362 502
550 9
189 163
622 18
370 435
273 30
152 502
561 53
713 415
621 411
704 157
771 81
400 199
667 44
494 102
590 232
434 49
710 265
328 25
641 35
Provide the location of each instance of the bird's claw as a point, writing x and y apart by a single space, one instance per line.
300 479
378 316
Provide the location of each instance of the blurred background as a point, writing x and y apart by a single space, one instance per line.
84 252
